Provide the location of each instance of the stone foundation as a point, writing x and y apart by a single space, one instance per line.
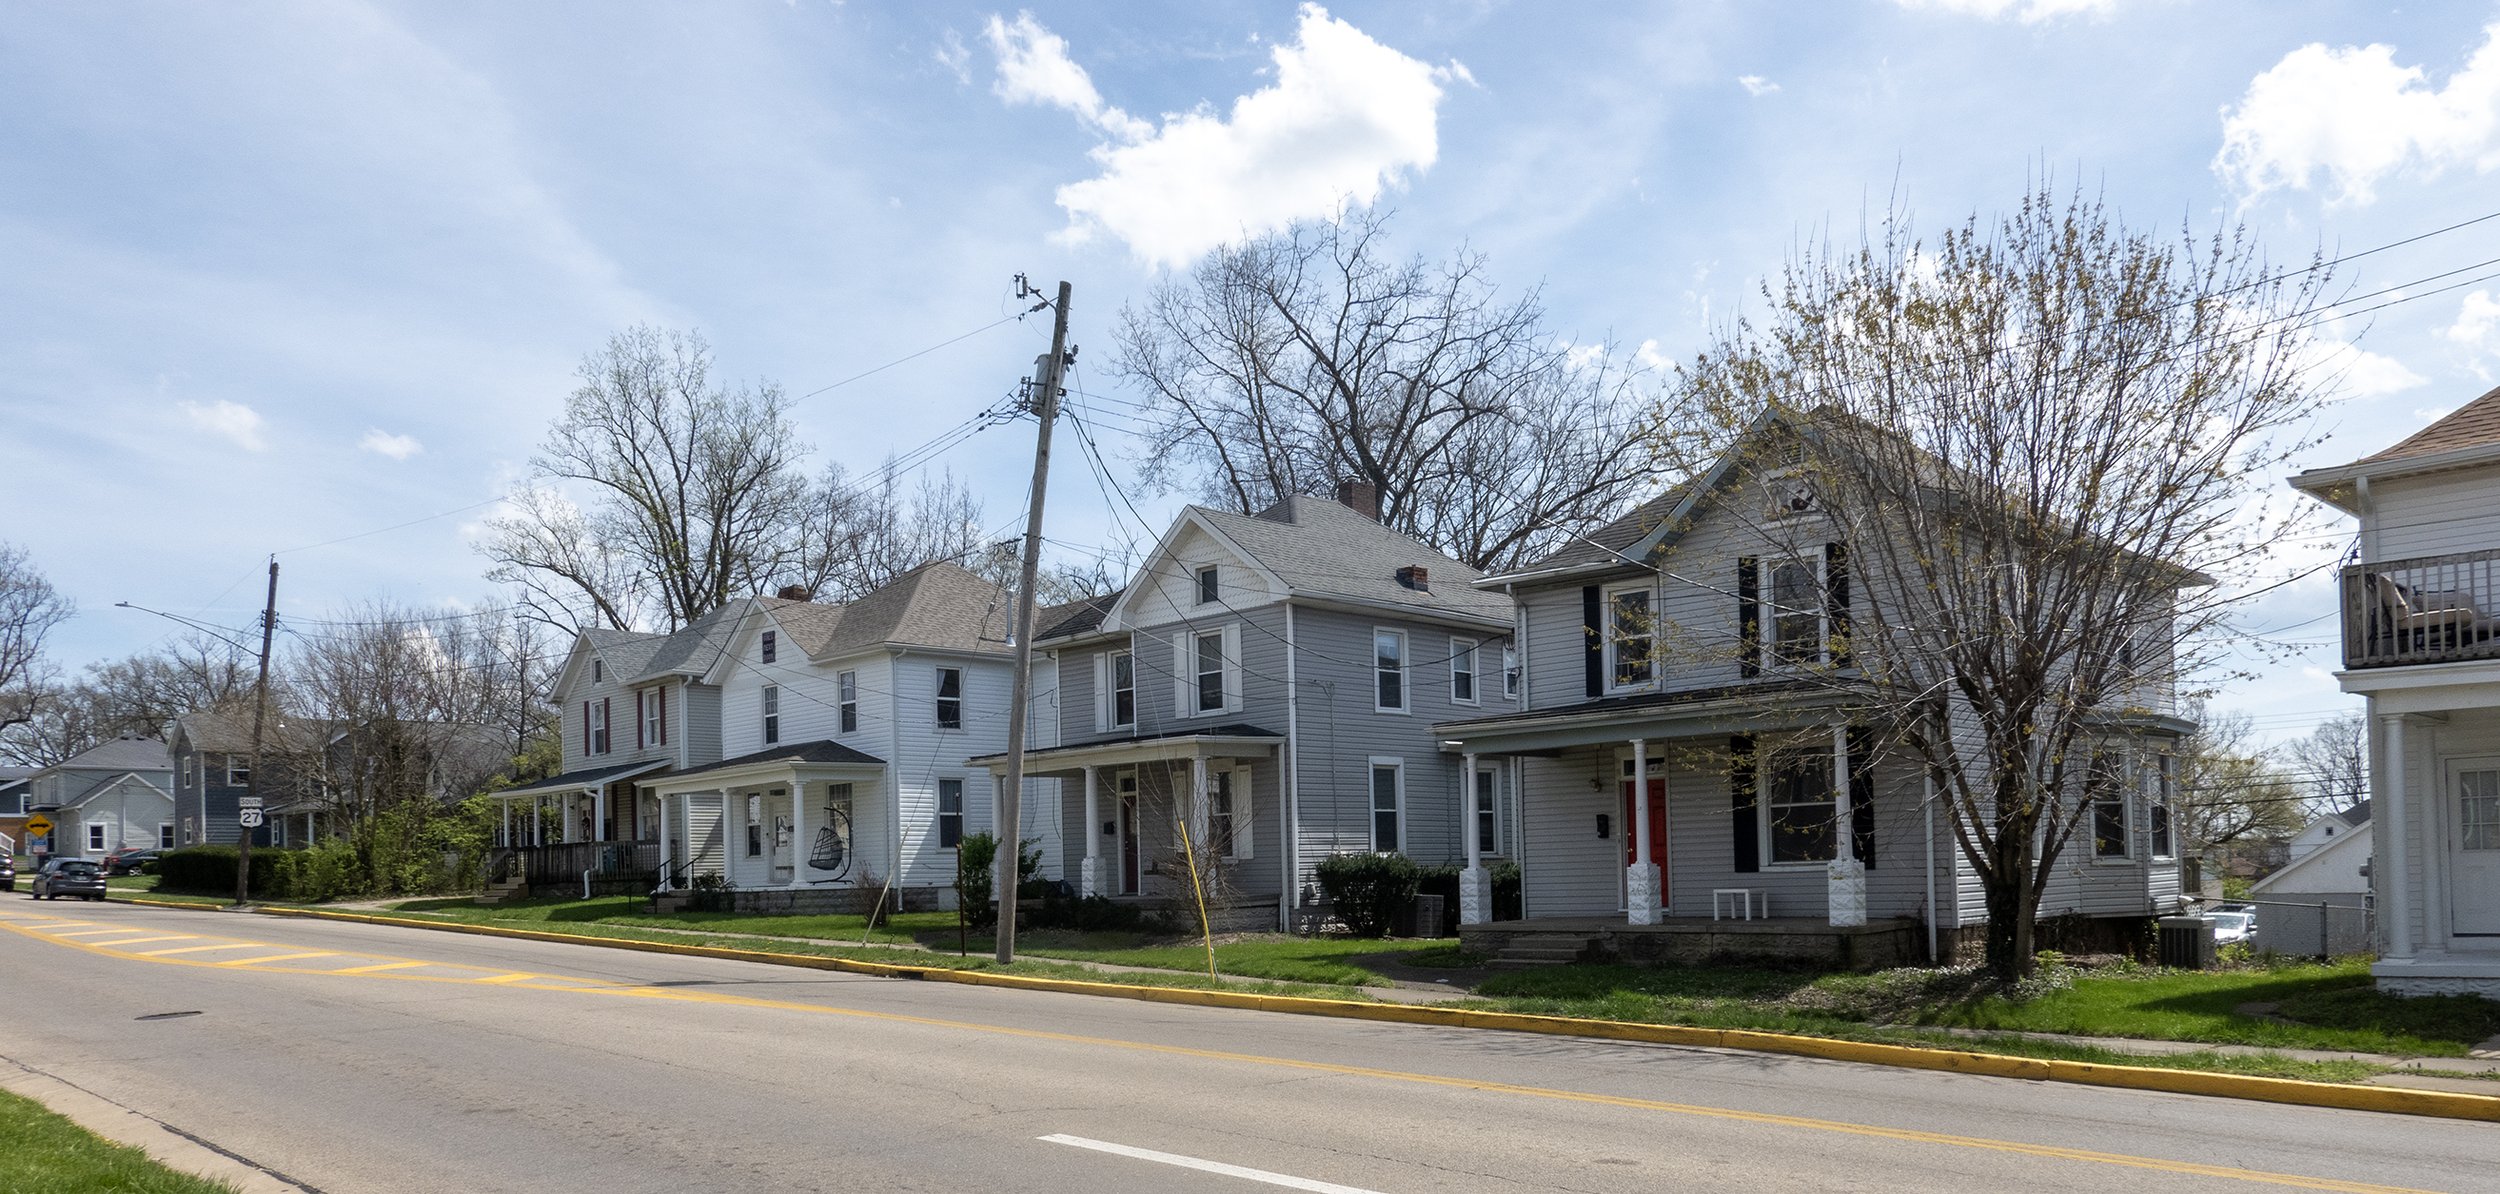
2488 988
1875 946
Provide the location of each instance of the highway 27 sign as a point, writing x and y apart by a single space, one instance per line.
250 818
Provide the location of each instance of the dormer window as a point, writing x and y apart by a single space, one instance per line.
1209 591
770 646
1631 637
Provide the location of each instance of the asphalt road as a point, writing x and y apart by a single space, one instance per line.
354 1057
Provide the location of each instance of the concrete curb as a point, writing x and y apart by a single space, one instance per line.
2394 1100
164 1145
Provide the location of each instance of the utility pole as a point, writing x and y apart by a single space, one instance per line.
251 813
1010 827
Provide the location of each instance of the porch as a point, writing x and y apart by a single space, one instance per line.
787 818
2423 610
1151 802
1688 940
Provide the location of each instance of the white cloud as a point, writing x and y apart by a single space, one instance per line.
2478 322
1756 85
383 443
1344 118
2353 371
2030 12
1034 68
2354 115
238 423
955 56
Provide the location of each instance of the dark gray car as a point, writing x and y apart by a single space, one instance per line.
68 877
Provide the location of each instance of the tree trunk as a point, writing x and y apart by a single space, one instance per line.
2013 913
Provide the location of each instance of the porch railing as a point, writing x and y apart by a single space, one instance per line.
562 866
2429 609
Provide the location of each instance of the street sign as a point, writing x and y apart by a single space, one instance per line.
251 818
39 825
251 802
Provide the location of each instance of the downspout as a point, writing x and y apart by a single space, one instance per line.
1292 835
1929 806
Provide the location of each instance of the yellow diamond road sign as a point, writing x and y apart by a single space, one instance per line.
39 825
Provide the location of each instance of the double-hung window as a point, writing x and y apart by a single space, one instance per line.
1388 804
2157 809
1463 670
1123 674
239 767
1228 798
1208 672
1800 806
1796 612
1389 671
1631 637
950 698
2106 793
950 813
772 714
597 717
1210 586
164 835
755 827
95 835
1510 670
654 716
846 694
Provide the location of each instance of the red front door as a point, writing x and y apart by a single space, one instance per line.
1657 831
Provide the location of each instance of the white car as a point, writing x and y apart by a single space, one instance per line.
2234 928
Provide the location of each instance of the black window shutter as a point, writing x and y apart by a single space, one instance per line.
1836 599
1862 794
1748 618
1593 639
1748 822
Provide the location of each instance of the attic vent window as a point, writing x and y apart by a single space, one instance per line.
1416 577
1209 590
598 670
772 646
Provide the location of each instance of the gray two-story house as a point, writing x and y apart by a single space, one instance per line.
1704 773
1262 695
111 796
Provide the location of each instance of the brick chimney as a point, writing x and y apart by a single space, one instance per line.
1362 497
796 593
1416 577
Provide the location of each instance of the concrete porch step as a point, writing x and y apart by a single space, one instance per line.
1543 949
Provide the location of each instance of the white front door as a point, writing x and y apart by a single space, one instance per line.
2474 849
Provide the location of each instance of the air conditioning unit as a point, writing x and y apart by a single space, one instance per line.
2186 942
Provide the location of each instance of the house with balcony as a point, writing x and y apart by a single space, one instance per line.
1262 695
2420 609
1702 770
839 777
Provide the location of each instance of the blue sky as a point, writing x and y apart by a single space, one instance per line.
279 274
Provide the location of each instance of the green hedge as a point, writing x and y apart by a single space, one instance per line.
1368 891
328 871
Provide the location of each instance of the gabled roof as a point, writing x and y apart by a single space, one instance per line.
120 754
2473 425
1614 543
231 733
939 605
626 652
692 650
1320 549
2356 816
110 782
1073 618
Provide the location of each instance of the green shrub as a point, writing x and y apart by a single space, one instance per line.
1507 904
1368 891
975 888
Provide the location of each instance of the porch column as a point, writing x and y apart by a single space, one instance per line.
1089 876
2396 898
538 820
800 848
1640 880
507 821
1198 806
1847 885
666 860
1475 891
599 813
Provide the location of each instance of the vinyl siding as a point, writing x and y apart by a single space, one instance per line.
2432 515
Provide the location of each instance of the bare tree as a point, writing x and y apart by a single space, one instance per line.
138 696
29 610
2229 790
856 538
1297 360
2334 761
2036 436
692 492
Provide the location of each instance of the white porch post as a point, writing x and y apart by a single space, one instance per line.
2396 899
1475 891
538 820
1198 805
1847 885
1640 881
667 860
599 813
507 821
1089 876
799 848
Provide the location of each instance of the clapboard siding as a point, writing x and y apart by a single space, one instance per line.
2431 515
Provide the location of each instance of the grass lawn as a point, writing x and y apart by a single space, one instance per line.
47 1154
1275 957
2318 1006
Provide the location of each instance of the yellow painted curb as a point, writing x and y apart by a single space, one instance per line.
2396 1100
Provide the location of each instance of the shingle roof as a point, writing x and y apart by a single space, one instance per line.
1322 549
1074 617
626 652
939 605
823 750
693 649
2356 816
120 754
2472 425
231 733
1606 544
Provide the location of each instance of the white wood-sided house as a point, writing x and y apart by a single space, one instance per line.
2420 608
111 796
1266 687
1693 652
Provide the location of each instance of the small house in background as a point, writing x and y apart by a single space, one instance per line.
2318 904
2420 607
111 796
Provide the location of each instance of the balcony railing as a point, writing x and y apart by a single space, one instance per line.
2430 609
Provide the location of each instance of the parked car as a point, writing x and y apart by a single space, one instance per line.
70 877
129 860
2234 928
8 873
